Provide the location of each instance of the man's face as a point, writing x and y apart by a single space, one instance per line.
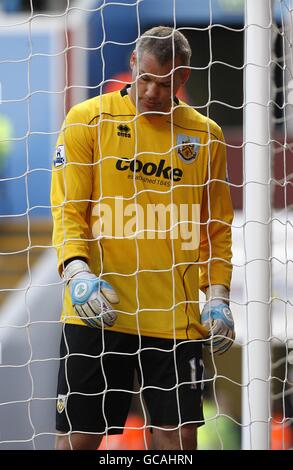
154 90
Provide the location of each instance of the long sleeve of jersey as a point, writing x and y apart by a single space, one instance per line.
71 189
216 220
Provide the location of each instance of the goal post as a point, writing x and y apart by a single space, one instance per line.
257 220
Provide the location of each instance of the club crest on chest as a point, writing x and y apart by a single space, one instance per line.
187 147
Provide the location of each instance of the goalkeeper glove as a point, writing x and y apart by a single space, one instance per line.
91 297
216 317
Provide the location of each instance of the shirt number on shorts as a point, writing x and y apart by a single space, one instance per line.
196 376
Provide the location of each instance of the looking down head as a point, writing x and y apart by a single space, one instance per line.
160 65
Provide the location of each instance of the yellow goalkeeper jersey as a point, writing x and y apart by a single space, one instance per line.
145 200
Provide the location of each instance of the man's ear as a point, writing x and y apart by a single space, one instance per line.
132 60
185 75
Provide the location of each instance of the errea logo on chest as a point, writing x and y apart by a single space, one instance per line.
123 131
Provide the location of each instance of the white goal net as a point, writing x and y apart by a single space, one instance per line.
54 55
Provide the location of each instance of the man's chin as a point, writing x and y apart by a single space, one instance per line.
150 110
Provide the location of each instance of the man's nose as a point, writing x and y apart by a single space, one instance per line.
152 90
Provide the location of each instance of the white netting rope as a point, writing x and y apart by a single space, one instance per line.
280 220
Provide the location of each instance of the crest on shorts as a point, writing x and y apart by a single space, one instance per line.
187 147
61 403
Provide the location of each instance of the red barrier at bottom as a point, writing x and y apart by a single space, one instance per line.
134 436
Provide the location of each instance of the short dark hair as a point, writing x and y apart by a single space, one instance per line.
163 42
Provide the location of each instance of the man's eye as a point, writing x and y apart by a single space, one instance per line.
145 78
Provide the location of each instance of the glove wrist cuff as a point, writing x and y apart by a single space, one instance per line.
217 292
74 267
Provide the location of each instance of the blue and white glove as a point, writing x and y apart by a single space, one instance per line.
92 298
217 318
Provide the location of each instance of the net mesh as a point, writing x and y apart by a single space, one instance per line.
53 58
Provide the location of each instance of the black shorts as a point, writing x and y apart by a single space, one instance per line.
96 375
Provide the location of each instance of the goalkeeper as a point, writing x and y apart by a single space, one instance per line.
131 297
